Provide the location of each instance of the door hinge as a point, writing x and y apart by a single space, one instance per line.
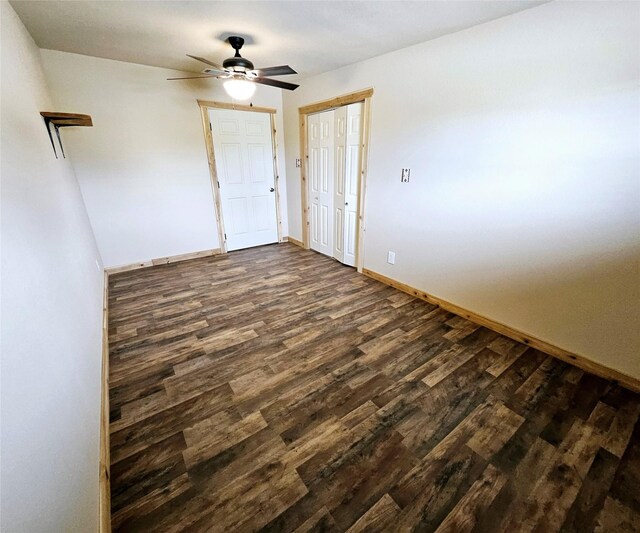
218 185
225 236
210 127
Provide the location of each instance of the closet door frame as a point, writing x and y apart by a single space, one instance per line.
364 96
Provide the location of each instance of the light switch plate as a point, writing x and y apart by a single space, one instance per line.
391 258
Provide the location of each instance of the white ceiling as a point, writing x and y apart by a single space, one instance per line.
311 36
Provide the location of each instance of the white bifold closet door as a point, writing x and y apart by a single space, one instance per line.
340 144
335 148
243 149
321 181
350 164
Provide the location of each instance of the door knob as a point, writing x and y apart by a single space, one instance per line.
271 189
346 203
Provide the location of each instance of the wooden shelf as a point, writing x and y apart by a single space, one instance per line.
67 119
63 120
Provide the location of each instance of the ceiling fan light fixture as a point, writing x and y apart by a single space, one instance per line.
240 73
239 89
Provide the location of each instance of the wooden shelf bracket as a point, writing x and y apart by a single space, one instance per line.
63 120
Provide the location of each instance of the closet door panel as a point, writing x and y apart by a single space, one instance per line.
321 136
353 168
340 139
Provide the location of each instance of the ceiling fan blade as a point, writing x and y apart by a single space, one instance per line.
207 62
191 77
277 83
274 71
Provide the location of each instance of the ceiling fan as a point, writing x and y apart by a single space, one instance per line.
240 75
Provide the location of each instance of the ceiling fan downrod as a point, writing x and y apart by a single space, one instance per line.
237 62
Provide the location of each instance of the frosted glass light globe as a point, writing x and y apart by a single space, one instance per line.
239 89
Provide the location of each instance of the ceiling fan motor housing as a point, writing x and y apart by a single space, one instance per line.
237 62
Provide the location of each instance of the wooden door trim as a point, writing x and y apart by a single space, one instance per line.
236 107
213 175
205 106
325 105
338 101
364 169
276 175
104 476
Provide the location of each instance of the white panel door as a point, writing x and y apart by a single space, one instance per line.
321 177
340 124
353 155
244 162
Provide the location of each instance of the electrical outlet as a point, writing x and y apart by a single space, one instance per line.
406 173
298 163
391 258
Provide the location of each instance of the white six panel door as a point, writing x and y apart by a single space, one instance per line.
243 150
321 181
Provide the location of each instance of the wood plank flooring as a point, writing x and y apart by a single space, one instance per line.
276 389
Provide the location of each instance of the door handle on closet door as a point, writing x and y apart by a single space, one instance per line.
271 189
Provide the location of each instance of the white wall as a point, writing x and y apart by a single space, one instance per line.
522 136
143 166
51 308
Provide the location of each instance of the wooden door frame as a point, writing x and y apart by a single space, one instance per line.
205 106
325 105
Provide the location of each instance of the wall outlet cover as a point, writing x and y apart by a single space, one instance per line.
391 258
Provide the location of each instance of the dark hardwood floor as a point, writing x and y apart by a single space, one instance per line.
276 389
